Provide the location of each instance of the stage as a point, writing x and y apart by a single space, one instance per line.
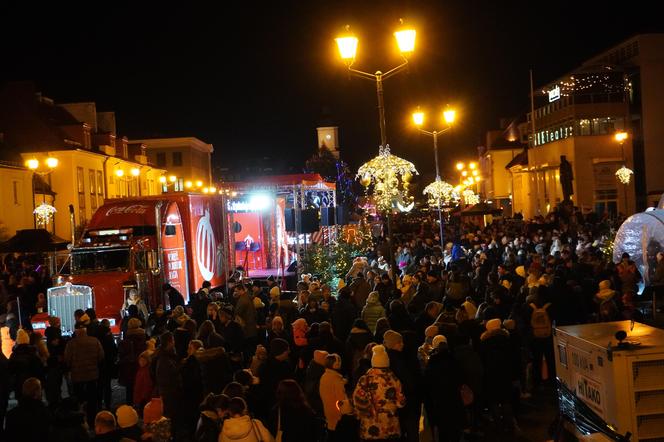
264 273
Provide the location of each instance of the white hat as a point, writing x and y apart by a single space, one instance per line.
379 358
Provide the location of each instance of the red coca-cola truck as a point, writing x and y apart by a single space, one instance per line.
137 244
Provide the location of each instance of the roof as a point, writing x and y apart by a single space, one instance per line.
175 142
520 160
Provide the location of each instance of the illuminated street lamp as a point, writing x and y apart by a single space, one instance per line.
44 213
389 174
439 191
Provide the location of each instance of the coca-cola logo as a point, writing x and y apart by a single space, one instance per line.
205 247
138 209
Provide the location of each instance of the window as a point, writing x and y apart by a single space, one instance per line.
80 184
93 189
16 187
161 159
177 159
100 187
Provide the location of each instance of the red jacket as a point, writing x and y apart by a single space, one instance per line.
143 386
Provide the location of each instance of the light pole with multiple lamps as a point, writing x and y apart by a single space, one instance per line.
439 191
45 211
386 172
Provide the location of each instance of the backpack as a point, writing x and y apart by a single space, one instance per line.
540 321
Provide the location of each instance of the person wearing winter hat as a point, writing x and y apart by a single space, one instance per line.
605 292
22 337
277 368
439 340
105 427
521 271
240 426
332 391
424 351
127 419
373 310
377 406
393 340
470 308
157 427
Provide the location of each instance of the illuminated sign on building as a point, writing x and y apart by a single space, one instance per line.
554 94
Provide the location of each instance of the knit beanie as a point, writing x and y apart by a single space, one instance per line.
605 284
319 357
379 359
439 339
22 337
278 346
493 324
521 271
470 308
391 338
153 410
126 416
431 331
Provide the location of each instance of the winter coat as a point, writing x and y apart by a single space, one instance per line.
377 397
69 426
297 424
244 429
407 370
496 355
83 355
216 369
332 390
208 427
29 421
355 344
233 335
273 372
312 386
182 337
23 364
343 316
361 289
246 313
129 349
442 397
470 365
143 386
192 391
168 381
372 312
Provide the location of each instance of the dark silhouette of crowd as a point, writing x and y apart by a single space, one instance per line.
415 343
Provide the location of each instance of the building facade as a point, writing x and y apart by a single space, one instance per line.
93 162
577 116
188 159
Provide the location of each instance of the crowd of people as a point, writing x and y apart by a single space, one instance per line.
416 342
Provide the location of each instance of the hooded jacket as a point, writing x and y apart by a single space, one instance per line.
244 429
216 369
332 390
373 311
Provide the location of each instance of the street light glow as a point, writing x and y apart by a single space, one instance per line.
188 184
460 165
464 173
449 115
52 162
472 166
475 172
119 173
162 179
199 183
135 171
418 118
620 136
213 189
32 163
406 41
172 178
347 47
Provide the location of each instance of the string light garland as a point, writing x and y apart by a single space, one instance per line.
624 174
439 192
390 176
44 213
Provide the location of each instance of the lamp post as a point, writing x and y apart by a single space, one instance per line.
624 174
439 191
386 171
45 211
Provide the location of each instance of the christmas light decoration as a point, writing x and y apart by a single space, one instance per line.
469 197
624 174
390 176
439 192
44 213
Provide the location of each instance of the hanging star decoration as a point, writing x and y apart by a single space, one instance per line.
624 174
44 213
390 176
439 192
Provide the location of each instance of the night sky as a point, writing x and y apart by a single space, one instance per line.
256 78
